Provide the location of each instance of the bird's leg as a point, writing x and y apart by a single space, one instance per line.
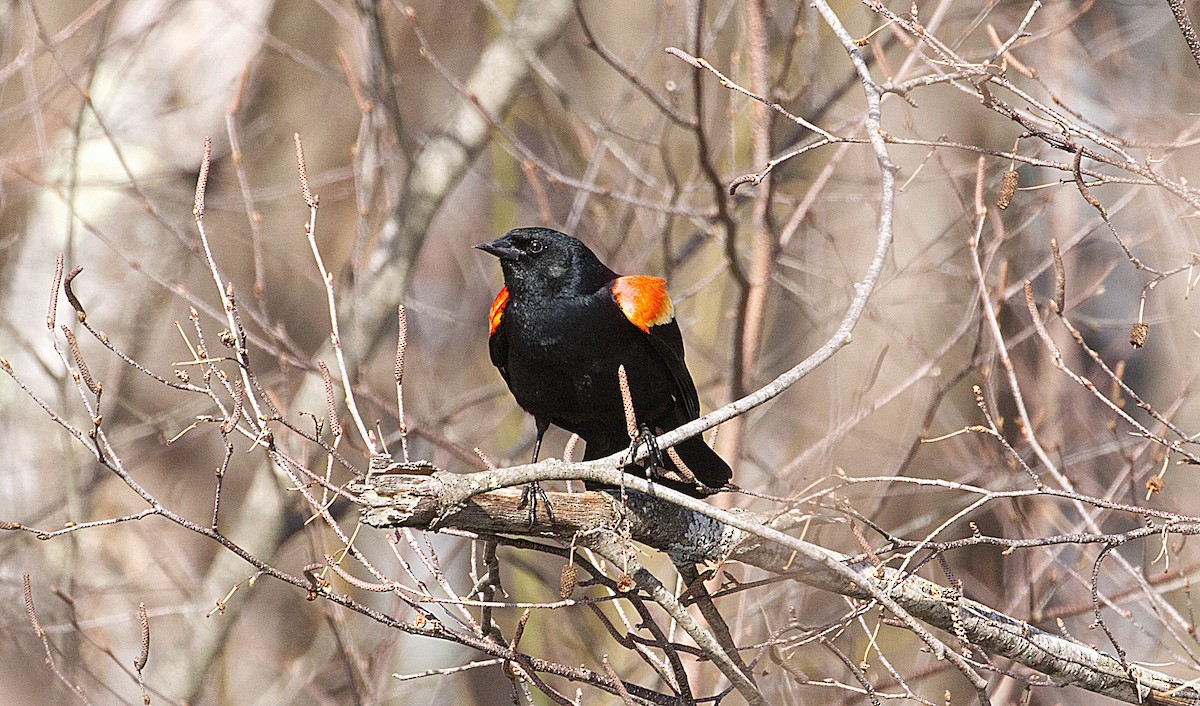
533 492
647 437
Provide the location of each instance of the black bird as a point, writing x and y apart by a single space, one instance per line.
560 328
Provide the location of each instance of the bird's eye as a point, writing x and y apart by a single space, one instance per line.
535 247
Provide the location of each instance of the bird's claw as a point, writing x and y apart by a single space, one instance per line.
654 459
647 438
531 496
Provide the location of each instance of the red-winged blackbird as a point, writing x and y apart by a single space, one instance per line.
560 328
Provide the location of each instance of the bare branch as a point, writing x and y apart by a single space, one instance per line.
433 503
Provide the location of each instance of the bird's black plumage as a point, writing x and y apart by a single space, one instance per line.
560 329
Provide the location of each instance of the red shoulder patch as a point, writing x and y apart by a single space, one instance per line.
643 299
497 310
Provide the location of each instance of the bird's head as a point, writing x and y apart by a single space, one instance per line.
547 262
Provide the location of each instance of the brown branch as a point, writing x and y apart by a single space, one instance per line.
38 630
439 165
762 255
630 75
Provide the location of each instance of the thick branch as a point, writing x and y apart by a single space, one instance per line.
441 162
443 500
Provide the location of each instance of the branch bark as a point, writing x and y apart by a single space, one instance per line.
444 501
1185 26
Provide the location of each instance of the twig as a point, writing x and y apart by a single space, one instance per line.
1185 25
448 670
335 337
604 545
75 689
701 63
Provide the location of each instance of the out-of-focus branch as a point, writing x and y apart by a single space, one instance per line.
380 67
441 162
436 502
754 302
863 288
260 529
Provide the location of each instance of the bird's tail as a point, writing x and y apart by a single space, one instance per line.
704 463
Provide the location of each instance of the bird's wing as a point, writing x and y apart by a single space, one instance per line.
644 302
497 340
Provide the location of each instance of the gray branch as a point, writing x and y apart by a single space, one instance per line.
450 501
612 548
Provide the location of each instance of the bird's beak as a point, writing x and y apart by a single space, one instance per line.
501 248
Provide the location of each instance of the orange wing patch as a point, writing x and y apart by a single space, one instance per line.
497 310
643 300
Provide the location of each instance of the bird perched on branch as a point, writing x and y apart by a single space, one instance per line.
559 330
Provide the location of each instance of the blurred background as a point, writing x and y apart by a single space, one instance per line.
429 127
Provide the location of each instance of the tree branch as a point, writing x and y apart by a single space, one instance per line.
444 501
441 162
